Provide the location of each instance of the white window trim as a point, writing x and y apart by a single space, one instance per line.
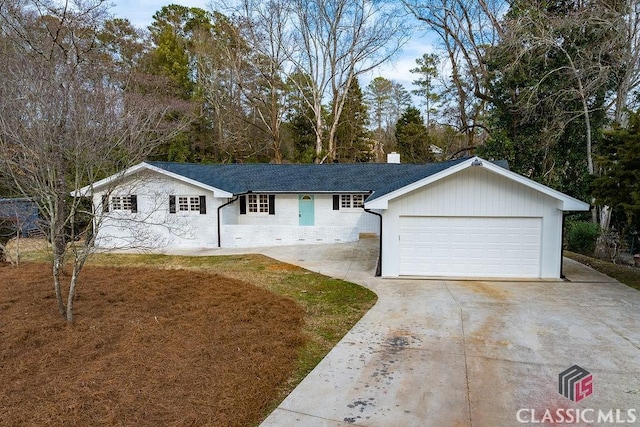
192 204
120 203
258 204
349 199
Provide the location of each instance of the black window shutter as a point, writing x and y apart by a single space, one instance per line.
243 205
105 203
336 202
134 203
203 205
172 204
272 204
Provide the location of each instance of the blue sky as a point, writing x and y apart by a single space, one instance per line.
140 13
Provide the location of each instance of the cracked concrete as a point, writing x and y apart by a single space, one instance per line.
465 353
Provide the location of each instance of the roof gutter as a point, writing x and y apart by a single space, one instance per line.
307 192
219 227
379 266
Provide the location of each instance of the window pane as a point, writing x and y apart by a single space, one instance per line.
358 200
183 203
116 204
264 203
121 203
195 203
253 203
345 201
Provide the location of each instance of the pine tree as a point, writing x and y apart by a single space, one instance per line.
427 69
352 136
413 138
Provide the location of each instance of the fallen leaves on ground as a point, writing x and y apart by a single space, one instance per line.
149 347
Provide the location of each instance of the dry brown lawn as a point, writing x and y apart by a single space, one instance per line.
150 347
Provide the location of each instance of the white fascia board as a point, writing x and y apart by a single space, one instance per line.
89 189
567 203
216 191
96 186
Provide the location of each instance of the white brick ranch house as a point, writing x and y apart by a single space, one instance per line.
460 218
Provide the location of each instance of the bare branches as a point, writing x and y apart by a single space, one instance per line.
66 120
466 29
322 46
578 48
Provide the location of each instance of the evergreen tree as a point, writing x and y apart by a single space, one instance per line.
352 136
413 138
172 32
299 129
552 74
618 185
378 95
386 100
427 69
173 58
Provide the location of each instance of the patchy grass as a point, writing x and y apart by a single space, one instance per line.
626 274
166 340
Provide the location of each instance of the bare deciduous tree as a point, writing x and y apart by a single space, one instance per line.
628 80
465 28
66 122
327 44
587 62
265 29
338 40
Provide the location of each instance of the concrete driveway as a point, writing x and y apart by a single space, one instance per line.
469 353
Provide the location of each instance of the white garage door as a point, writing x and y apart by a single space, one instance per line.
470 247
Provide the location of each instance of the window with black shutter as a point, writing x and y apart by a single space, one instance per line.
203 205
272 204
105 203
243 205
188 204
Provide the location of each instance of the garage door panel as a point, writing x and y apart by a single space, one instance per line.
470 246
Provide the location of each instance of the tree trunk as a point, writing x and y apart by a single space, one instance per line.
587 120
275 128
56 283
72 290
318 129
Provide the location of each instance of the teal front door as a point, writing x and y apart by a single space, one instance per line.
305 203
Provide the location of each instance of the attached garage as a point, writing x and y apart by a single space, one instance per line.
475 219
470 246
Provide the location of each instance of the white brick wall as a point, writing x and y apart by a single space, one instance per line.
246 236
154 227
287 210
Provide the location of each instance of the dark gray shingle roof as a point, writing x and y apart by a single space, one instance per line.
381 178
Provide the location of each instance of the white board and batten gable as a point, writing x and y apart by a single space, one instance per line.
474 219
